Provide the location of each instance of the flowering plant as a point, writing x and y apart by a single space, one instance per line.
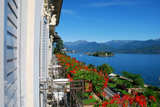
99 80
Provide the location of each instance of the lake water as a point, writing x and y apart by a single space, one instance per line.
147 65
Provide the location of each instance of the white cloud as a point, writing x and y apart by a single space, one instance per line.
68 11
112 3
71 13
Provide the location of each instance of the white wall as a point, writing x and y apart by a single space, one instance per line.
10 57
1 53
30 31
26 76
44 39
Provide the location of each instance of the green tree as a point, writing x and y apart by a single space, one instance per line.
105 68
59 46
137 79
91 66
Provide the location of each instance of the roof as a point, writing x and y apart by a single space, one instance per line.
112 75
58 6
61 80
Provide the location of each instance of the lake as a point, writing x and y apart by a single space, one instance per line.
147 65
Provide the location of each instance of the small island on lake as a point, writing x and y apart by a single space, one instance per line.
101 54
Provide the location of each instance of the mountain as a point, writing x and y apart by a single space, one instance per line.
118 43
84 46
77 42
117 46
148 46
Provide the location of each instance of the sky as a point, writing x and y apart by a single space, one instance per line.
105 20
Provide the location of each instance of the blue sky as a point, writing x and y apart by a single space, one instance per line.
104 20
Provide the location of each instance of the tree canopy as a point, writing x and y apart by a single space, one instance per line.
105 68
137 79
59 46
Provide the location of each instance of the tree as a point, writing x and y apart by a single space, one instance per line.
105 68
91 66
137 79
59 46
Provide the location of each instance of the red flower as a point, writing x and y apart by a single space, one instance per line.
116 96
125 98
131 100
90 97
70 79
124 105
98 94
95 70
141 100
152 98
104 104
73 71
104 93
112 101
68 76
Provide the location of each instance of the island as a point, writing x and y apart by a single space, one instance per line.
101 54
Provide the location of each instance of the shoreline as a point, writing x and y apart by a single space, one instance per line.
118 53
100 60
123 77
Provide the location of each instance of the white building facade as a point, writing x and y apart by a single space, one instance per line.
23 40
44 47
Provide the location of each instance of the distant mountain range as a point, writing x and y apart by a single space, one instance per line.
116 46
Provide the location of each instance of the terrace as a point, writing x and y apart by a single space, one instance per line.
92 88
